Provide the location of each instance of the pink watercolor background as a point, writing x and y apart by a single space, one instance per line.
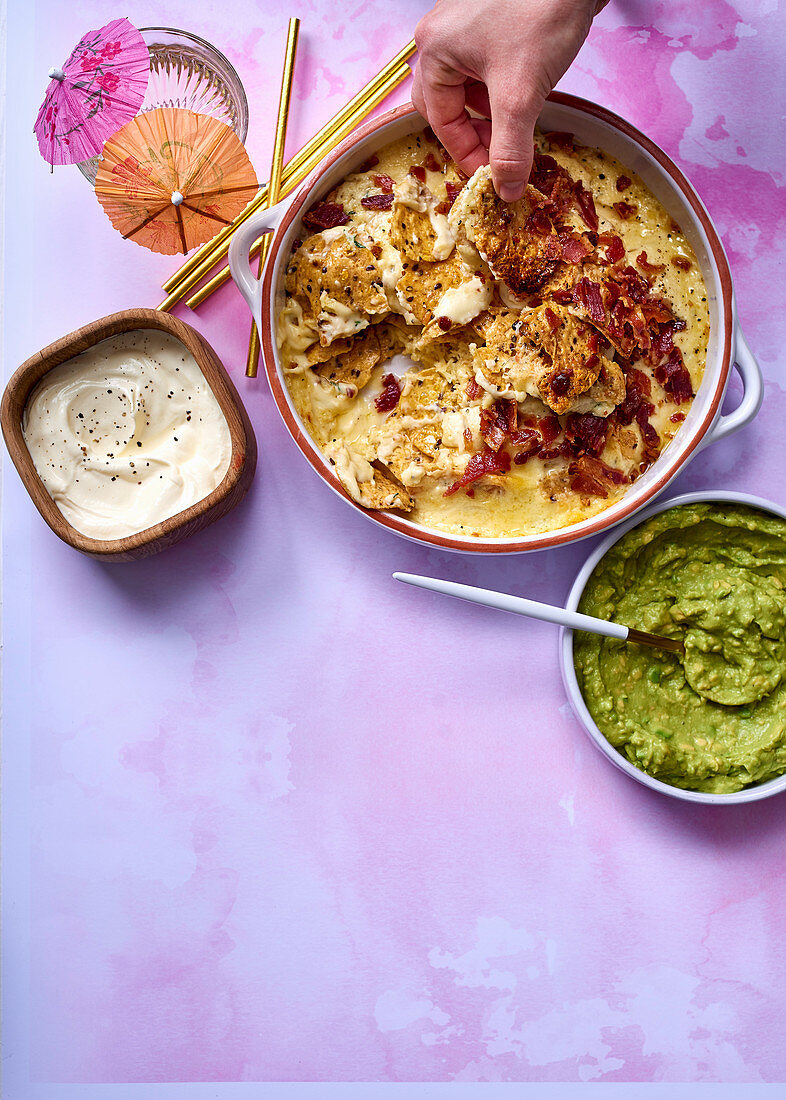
287 821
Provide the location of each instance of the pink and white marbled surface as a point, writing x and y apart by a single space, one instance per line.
281 819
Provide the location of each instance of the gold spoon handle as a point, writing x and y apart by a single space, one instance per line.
655 640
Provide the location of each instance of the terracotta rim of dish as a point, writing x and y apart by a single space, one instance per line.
601 521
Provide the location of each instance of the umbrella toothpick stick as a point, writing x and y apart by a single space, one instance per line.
183 281
276 171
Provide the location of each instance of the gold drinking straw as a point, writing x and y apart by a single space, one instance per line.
276 169
296 170
223 274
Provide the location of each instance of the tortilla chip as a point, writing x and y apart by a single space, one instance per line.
353 366
515 253
571 346
384 491
413 220
422 284
346 272
317 354
412 234
604 395
506 360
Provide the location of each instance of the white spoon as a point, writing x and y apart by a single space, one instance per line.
546 612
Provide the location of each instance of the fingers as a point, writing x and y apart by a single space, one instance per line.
513 116
477 96
439 95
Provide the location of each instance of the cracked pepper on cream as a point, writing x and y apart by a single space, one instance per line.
127 434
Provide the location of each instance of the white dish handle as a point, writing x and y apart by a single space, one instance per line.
243 240
753 392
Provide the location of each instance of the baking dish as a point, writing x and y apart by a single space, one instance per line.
594 126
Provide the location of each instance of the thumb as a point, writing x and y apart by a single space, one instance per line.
513 117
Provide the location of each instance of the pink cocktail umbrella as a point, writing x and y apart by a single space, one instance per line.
99 88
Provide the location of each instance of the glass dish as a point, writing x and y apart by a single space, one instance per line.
186 71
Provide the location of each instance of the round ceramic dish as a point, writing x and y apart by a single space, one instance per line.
593 126
569 679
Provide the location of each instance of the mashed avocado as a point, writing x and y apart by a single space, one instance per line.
713 575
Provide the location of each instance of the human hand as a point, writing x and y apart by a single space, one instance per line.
501 58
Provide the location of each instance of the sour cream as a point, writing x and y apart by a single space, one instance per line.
127 434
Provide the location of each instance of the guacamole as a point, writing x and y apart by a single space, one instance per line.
714 576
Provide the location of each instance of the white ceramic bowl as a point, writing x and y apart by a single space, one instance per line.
593 126
569 679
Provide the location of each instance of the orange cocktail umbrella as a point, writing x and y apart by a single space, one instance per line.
170 179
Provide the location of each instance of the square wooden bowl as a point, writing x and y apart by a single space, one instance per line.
161 535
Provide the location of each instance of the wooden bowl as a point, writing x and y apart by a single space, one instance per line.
161 535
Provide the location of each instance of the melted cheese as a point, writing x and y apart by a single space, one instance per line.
352 432
461 304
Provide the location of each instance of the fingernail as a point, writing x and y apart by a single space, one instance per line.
510 192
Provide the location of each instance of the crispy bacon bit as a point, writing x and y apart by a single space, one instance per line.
543 164
325 215
563 449
383 182
615 249
682 262
633 284
677 418
452 190
539 223
529 443
574 249
432 163
444 323
296 244
473 390
376 251
485 462
552 318
552 181
640 381
649 435
391 392
626 210
587 433
645 265
663 342
377 202
498 422
560 383
418 172
587 294
674 377
549 428
586 205
561 138
587 477
638 390
564 296
372 162
636 406
623 183
658 311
